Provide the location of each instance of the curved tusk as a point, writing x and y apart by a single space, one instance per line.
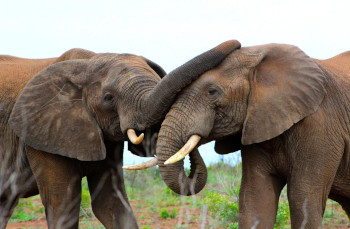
133 137
185 150
143 165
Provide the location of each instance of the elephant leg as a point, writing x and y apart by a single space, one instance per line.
309 186
110 203
14 185
260 191
307 203
59 186
6 209
9 200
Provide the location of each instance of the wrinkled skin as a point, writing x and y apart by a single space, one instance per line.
71 120
289 116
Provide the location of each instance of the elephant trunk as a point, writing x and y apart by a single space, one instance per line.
161 97
170 141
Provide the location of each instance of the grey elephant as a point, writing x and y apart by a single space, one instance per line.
289 115
71 120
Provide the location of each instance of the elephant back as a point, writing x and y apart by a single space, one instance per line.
339 64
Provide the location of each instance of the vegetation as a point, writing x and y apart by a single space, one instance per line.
156 206
28 209
164 214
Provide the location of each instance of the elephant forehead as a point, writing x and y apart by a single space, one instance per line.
127 76
214 77
132 62
211 75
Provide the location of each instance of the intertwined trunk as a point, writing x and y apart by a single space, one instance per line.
170 140
161 97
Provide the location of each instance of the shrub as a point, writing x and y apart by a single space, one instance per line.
27 209
223 207
282 218
164 214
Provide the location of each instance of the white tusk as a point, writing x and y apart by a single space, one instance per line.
143 165
185 150
133 137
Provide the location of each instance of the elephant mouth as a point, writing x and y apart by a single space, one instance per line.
191 143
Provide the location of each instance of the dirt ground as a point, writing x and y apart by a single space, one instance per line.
190 219
193 218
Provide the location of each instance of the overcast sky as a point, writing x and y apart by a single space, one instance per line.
170 32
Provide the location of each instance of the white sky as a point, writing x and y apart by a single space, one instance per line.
170 32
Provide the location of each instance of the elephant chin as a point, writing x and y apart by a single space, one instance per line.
175 177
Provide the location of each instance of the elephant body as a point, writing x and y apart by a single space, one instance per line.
287 113
70 120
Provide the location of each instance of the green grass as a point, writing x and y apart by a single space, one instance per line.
166 214
28 209
87 223
146 227
85 205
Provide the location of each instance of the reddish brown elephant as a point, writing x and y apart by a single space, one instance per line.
72 119
289 115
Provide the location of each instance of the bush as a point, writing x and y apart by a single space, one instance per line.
283 214
27 209
164 214
223 207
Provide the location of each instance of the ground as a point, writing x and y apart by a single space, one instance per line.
187 217
156 206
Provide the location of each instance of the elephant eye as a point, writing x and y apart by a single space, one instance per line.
212 91
108 97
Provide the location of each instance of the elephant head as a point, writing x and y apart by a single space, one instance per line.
72 106
254 95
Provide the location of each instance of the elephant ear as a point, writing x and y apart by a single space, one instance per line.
286 86
228 144
51 115
158 69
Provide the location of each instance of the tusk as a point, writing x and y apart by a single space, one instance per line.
133 137
185 150
143 165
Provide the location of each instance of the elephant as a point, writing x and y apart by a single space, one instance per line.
288 114
12 167
71 120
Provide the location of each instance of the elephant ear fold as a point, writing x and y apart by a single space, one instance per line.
158 69
51 115
286 86
229 144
